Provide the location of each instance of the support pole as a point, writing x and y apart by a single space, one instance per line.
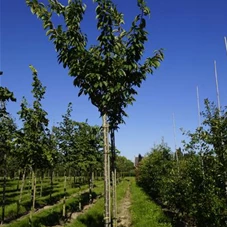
217 89
107 215
114 178
175 141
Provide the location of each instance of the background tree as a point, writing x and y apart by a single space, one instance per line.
7 134
33 134
194 195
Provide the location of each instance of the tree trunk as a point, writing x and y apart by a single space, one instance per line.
33 194
41 184
69 176
51 183
4 191
18 182
64 199
114 191
91 179
21 191
107 216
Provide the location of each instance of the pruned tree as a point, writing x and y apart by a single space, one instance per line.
109 72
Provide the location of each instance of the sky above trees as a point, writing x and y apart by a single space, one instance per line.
192 34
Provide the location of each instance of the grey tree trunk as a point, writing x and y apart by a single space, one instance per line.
113 171
107 213
21 191
41 184
4 191
64 199
33 194
51 183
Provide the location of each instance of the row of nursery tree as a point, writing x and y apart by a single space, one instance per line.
193 186
68 149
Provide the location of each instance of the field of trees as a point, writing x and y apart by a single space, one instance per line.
191 183
71 173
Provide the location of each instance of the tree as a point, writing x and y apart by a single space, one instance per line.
109 72
33 135
124 166
7 131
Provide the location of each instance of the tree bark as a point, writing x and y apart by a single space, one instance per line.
41 184
51 183
107 214
113 171
33 194
4 191
64 199
21 191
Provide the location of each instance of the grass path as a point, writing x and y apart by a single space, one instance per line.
144 212
124 216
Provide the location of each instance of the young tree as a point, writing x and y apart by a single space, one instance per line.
109 72
32 140
7 130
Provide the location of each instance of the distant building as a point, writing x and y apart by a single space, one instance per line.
138 160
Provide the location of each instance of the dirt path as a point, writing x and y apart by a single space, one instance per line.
124 216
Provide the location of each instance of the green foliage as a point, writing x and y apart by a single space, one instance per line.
78 142
194 190
123 165
109 72
32 138
5 95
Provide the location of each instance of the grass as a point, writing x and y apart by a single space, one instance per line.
145 212
94 216
11 209
53 215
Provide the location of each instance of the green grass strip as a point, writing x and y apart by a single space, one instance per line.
94 216
53 215
145 212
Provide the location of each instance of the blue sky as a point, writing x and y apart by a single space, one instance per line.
192 34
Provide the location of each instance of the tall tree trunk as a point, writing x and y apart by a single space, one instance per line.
64 199
69 177
21 191
18 182
51 183
91 179
113 170
107 214
41 184
4 190
33 194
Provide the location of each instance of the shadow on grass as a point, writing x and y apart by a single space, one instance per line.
92 220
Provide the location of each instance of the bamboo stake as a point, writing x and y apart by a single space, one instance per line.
198 106
175 141
199 124
225 43
217 89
